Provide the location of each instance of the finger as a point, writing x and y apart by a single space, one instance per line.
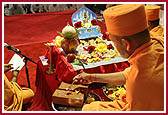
77 77
75 80
10 67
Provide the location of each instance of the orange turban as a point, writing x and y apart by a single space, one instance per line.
126 19
152 12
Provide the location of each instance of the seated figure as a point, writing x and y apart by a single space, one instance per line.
14 95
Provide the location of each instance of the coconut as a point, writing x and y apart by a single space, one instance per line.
68 28
69 32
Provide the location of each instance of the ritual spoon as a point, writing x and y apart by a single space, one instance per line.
70 86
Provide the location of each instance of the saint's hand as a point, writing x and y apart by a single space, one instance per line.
7 67
82 77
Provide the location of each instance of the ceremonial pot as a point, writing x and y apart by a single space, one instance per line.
69 45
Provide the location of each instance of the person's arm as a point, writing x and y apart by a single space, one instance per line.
15 75
112 78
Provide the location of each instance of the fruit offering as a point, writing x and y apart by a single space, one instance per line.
71 57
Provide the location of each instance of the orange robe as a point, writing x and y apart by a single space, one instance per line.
144 81
157 31
14 95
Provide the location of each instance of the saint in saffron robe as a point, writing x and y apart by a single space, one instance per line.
144 81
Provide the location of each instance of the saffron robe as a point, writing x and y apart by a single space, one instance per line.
157 31
14 95
144 81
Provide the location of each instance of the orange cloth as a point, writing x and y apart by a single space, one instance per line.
14 95
152 12
157 32
116 105
145 77
144 82
125 20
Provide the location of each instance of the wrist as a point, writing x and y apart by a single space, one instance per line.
92 78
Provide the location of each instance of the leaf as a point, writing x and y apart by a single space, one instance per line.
68 35
82 61
77 62
76 33
60 33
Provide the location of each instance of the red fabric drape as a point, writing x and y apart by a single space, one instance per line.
47 84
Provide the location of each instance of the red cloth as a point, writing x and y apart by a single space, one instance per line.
47 84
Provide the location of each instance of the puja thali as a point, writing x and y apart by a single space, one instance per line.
113 92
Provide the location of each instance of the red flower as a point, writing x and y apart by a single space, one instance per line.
78 24
102 57
105 36
84 60
110 46
85 49
94 22
91 49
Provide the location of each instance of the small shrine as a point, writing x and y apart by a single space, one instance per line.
85 21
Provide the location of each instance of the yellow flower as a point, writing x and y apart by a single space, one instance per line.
101 47
77 57
106 59
113 96
82 41
111 55
87 25
108 56
96 59
98 39
83 55
58 41
89 60
89 100
91 41
77 91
